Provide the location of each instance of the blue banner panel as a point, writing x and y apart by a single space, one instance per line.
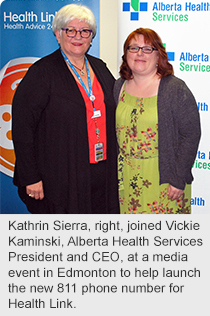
26 35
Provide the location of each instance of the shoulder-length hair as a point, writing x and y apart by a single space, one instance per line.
164 68
73 11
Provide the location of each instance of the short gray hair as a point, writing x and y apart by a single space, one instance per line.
73 11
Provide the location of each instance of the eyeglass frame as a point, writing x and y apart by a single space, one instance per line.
80 31
142 49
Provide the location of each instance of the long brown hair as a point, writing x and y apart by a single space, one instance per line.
164 68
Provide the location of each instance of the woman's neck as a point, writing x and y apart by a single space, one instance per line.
140 79
77 61
143 86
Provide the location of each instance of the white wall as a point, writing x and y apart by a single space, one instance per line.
109 34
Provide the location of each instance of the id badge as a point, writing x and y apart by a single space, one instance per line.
96 114
99 152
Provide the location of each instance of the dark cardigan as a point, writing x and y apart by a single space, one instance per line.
178 130
50 134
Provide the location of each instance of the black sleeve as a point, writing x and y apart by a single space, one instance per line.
117 88
29 101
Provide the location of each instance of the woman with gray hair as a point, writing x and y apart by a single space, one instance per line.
64 125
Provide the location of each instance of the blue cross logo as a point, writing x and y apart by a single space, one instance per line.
136 6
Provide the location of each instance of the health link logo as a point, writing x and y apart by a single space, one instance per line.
136 6
10 76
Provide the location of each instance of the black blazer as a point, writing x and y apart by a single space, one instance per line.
50 134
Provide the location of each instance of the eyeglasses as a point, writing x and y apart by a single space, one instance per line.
145 49
85 33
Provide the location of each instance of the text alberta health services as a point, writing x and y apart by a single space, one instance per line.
164 11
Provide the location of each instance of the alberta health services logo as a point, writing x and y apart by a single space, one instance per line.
165 12
134 16
136 6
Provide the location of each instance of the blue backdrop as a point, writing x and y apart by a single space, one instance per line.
26 32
